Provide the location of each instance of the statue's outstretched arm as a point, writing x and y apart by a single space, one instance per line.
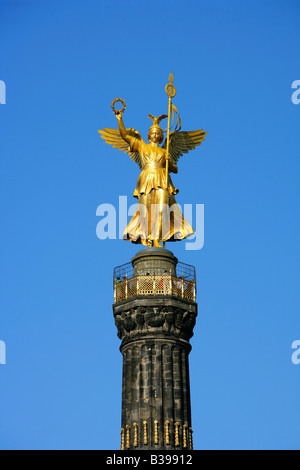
128 138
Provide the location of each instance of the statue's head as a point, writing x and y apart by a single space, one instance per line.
155 133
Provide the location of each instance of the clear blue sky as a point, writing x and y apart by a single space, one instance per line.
63 62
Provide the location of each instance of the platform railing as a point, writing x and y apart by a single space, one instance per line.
165 284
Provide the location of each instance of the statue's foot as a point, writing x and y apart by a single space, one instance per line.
144 242
157 244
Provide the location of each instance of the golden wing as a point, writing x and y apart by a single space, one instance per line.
113 137
183 141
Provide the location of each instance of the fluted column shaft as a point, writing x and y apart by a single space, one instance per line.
155 331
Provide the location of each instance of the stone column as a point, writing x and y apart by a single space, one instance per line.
155 331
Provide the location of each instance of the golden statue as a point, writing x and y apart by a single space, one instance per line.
157 218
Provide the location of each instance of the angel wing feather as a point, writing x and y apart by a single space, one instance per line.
183 141
113 137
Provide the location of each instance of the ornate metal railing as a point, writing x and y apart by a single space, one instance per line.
163 284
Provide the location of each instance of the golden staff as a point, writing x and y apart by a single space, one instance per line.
171 92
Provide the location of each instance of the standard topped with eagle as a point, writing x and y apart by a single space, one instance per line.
157 218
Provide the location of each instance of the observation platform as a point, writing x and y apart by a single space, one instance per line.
152 272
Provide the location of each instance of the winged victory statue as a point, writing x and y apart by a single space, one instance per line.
157 218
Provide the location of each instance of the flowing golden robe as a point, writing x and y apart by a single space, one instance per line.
158 216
